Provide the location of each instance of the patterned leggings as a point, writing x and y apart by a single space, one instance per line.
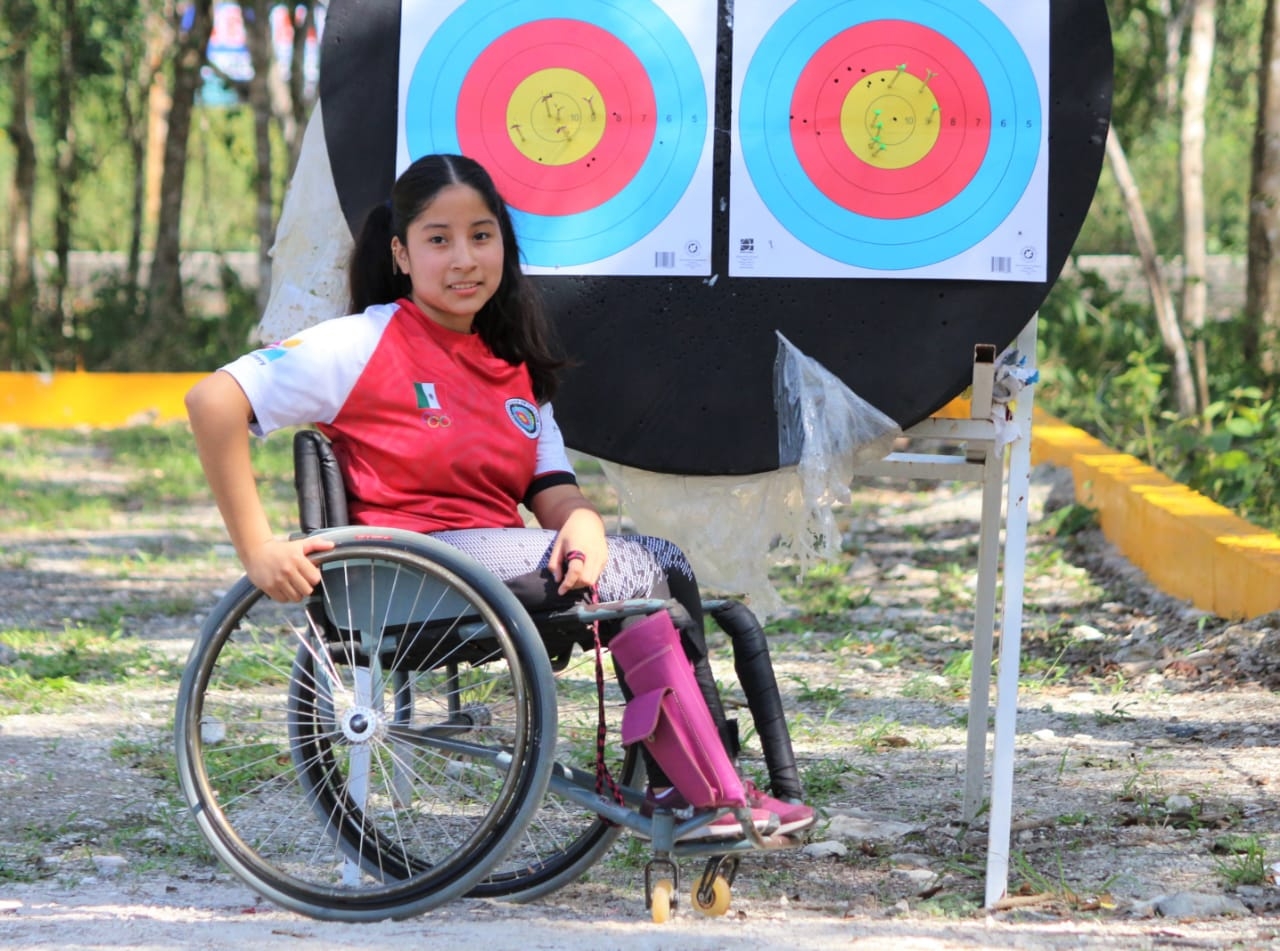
639 566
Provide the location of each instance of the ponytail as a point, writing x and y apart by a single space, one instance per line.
371 276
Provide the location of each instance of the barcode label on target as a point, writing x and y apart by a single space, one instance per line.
664 259
1001 265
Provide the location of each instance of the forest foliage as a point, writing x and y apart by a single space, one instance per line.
84 78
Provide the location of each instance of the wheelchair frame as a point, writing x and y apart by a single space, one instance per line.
390 744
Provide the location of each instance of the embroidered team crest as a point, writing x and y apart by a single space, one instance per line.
525 415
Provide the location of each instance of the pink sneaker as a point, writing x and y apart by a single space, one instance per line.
792 816
725 826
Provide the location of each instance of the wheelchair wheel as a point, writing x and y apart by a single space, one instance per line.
566 838
373 752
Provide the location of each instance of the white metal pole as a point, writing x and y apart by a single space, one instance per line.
1015 552
984 619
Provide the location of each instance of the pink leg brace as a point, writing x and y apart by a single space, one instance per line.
669 715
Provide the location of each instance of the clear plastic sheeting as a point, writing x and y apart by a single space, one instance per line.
736 528
309 257
826 431
823 426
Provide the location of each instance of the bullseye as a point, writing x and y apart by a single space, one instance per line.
556 117
889 128
889 143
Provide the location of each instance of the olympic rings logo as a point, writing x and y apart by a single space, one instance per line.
437 420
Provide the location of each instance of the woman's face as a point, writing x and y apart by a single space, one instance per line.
453 256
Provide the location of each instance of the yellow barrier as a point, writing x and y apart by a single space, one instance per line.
1188 546
59 400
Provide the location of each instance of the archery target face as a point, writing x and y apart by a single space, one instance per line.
592 116
891 138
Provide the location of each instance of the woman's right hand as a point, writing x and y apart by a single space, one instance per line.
283 570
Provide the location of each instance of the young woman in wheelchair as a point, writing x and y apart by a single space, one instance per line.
435 394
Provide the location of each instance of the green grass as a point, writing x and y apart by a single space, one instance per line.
249 763
17 868
55 670
827 696
136 468
39 505
876 734
251 665
116 616
932 687
822 594
1240 860
951 905
823 779
151 755
155 832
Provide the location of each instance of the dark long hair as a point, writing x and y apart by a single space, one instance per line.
512 322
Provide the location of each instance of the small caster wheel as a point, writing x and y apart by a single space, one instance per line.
713 899
660 901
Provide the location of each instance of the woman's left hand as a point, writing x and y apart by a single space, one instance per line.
579 552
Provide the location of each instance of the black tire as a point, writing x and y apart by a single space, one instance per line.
374 752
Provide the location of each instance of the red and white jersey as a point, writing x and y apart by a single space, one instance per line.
432 431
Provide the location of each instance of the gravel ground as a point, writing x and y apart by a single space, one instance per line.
1147 759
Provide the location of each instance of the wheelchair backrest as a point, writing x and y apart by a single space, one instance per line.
322 497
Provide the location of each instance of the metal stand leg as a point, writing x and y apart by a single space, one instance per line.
983 461
984 622
1015 569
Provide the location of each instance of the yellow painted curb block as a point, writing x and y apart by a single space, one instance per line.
58 400
1189 546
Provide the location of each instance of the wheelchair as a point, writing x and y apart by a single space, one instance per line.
410 734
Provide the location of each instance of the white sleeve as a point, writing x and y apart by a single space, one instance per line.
307 378
552 456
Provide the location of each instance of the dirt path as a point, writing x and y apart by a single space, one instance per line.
1148 759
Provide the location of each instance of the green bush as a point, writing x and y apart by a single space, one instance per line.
1105 370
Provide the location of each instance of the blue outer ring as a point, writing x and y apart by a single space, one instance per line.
889 244
679 93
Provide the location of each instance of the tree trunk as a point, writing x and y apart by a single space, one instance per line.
257 23
138 72
1161 297
161 40
166 312
1262 298
301 98
20 296
66 165
1195 92
1175 25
